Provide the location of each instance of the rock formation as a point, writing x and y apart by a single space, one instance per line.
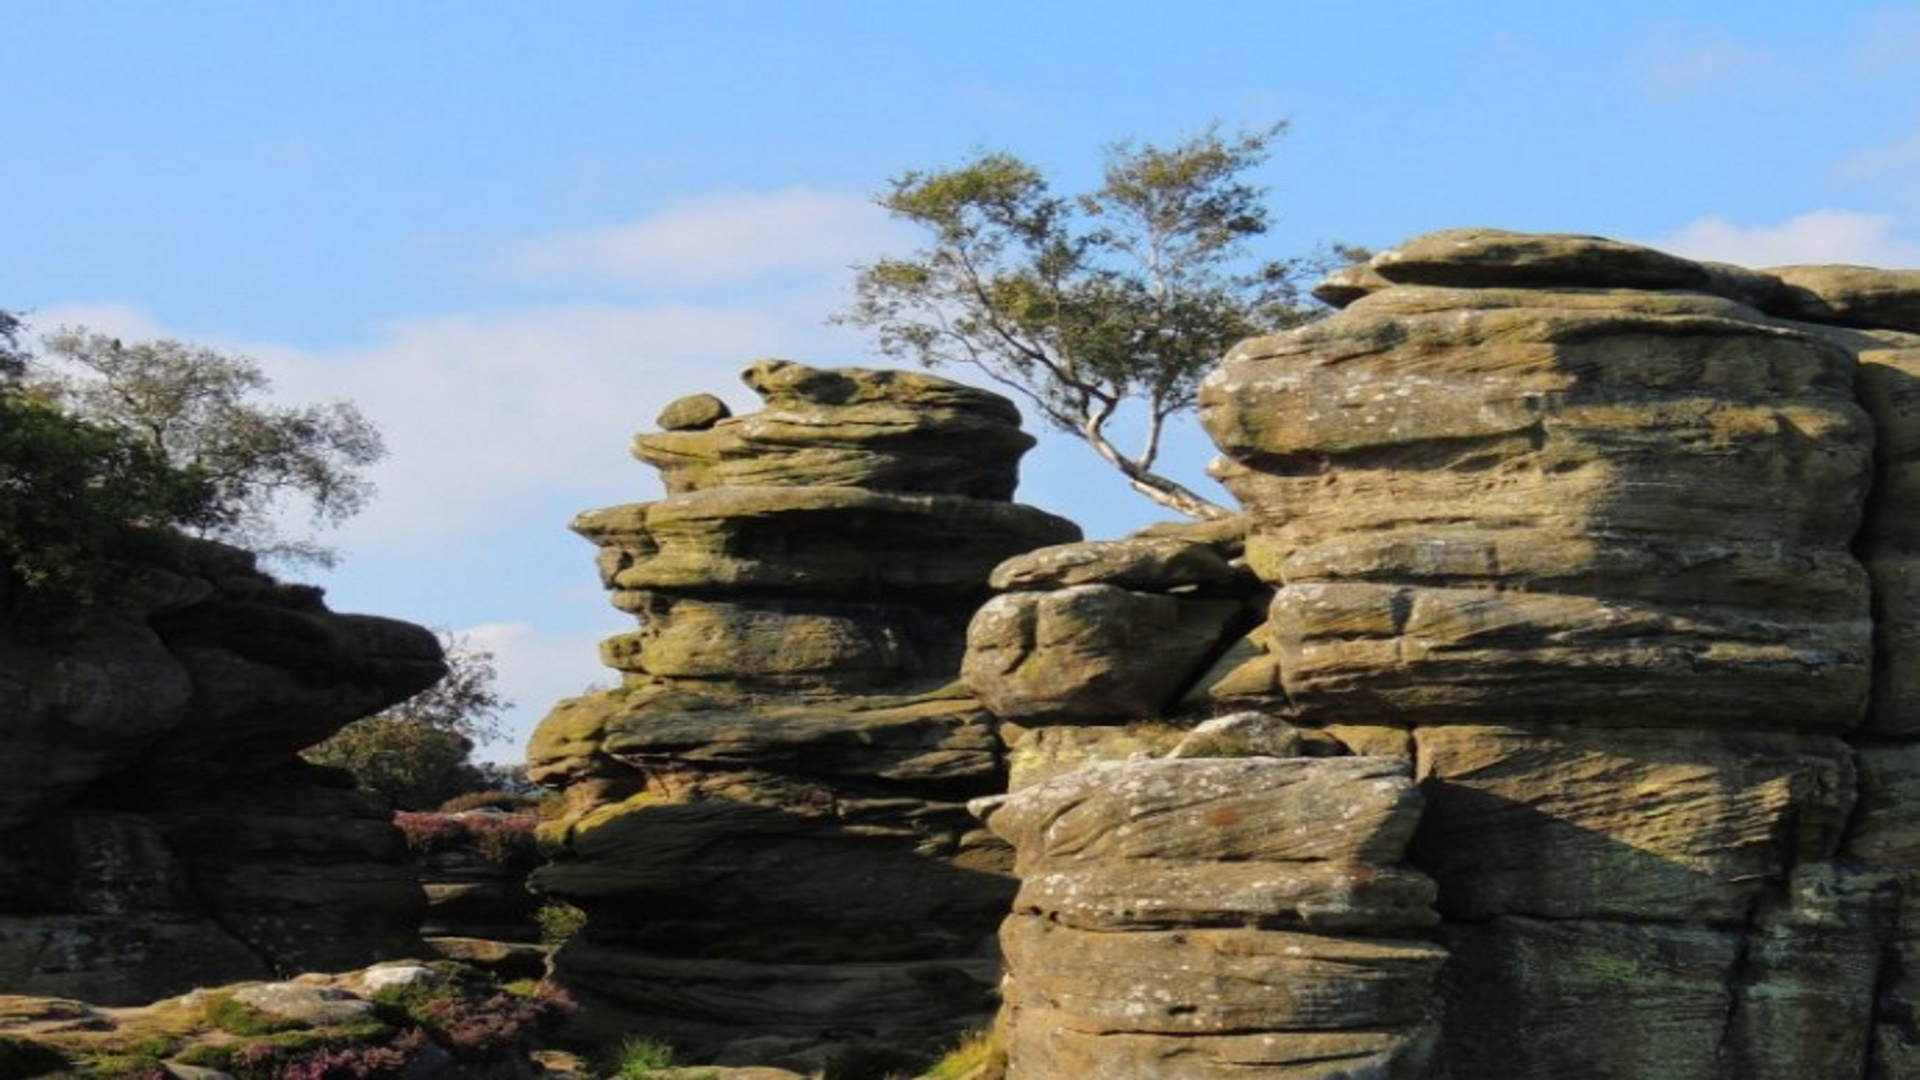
1551 712
767 826
157 830
1587 527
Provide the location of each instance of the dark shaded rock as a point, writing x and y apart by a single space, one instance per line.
156 829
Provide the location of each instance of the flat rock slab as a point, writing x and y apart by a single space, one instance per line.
819 540
1214 810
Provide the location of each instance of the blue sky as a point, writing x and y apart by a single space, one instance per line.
512 232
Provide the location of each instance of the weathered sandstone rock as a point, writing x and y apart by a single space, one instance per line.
1623 546
1090 652
1202 917
1533 504
766 822
1850 296
880 430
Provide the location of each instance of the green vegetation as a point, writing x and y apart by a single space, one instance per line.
639 1058
200 410
559 921
1121 297
235 1017
418 753
977 1057
85 508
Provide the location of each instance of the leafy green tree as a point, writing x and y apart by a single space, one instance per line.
418 753
84 507
13 357
200 409
1125 295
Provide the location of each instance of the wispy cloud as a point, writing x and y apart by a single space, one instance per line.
1675 61
715 240
534 670
1890 41
1891 169
1820 236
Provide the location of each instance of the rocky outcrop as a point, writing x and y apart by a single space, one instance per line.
438 1022
1587 528
1106 630
157 830
766 823
1215 917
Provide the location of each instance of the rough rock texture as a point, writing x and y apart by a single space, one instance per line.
157 830
1621 546
1103 632
766 821
1218 918
400 1018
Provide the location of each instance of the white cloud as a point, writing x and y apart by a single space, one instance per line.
121 320
1819 236
534 669
716 240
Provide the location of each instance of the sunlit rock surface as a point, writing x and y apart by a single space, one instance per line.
767 824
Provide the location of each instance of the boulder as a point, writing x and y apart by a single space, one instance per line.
1091 652
800 540
1850 296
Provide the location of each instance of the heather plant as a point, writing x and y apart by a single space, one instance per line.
494 799
500 839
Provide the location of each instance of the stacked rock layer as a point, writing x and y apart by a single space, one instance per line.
1588 528
767 826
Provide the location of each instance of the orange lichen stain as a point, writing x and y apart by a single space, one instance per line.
1221 817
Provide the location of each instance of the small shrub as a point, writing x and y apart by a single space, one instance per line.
361 1061
639 1058
559 921
977 1057
510 801
468 1016
500 839
428 832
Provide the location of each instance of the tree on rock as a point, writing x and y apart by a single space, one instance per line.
84 507
419 753
200 409
1124 295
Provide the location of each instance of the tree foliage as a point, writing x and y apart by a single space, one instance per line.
418 753
84 507
201 410
1083 305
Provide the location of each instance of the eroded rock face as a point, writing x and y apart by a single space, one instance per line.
767 826
157 830
1621 543
1218 917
